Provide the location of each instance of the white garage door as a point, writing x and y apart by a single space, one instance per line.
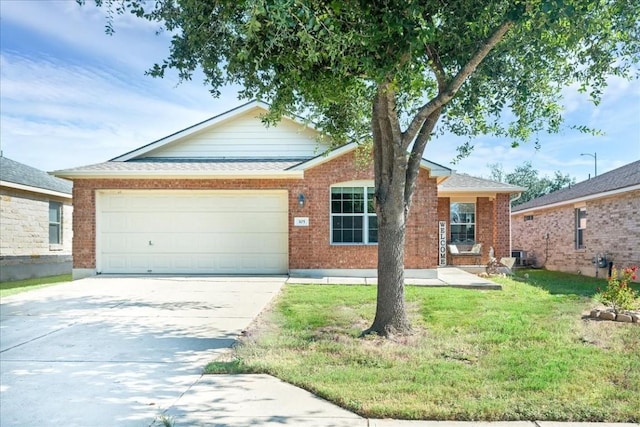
201 232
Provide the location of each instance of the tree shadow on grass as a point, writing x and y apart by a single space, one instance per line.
558 283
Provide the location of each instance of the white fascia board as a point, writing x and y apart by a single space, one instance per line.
223 117
182 175
318 160
579 199
478 190
435 169
35 189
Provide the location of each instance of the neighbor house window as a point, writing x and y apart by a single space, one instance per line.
581 225
353 216
55 223
463 222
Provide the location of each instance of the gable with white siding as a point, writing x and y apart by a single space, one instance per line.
238 134
244 137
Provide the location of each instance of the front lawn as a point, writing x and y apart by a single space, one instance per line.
523 353
18 286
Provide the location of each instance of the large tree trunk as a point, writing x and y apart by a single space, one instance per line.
391 317
390 164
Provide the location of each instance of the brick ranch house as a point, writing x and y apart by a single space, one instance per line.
595 219
35 220
229 196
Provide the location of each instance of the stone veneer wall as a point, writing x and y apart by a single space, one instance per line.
613 227
24 236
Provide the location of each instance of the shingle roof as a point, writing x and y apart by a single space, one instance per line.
190 165
464 182
625 176
18 173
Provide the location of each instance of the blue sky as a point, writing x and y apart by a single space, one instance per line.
70 95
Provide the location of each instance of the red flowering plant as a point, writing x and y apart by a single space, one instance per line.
619 295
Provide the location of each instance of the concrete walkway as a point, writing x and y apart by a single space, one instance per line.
446 277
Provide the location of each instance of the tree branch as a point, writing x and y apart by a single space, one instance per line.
438 69
444 96
413 165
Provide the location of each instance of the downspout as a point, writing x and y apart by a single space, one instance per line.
510 237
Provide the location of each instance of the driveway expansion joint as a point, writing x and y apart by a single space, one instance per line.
37 338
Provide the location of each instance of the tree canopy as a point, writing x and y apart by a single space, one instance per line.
398 72
526 176
329 57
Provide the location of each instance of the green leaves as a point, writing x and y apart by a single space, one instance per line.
327 57
528 177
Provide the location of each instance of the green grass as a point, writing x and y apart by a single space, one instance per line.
18 286
523 353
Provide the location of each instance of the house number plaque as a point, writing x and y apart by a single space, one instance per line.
301 221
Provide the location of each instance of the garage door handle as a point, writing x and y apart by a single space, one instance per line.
150 244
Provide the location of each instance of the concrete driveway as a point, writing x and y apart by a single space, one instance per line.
115 351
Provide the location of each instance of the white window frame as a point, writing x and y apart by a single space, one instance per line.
366 214
57 223
580 227
474 223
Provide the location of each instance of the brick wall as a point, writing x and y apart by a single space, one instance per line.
485 226
613 226
492 226
309 247
25 224
502 226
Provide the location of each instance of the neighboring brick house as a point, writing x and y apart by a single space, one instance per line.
229 196
35 222
570 228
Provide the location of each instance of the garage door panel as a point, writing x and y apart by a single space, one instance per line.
243 232
119 243
209 243
126 264
116 261
113 222
266 262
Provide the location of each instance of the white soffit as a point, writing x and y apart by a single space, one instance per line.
35 189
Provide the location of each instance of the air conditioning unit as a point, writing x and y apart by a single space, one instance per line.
520 256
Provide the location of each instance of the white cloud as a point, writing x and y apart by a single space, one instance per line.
82 29
85 115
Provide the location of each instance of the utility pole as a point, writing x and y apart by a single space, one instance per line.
595 162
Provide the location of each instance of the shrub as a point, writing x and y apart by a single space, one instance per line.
619 295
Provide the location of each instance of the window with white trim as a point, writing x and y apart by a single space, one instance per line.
581 225
55 223
463 222
353 216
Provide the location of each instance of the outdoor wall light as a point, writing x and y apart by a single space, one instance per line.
301 200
